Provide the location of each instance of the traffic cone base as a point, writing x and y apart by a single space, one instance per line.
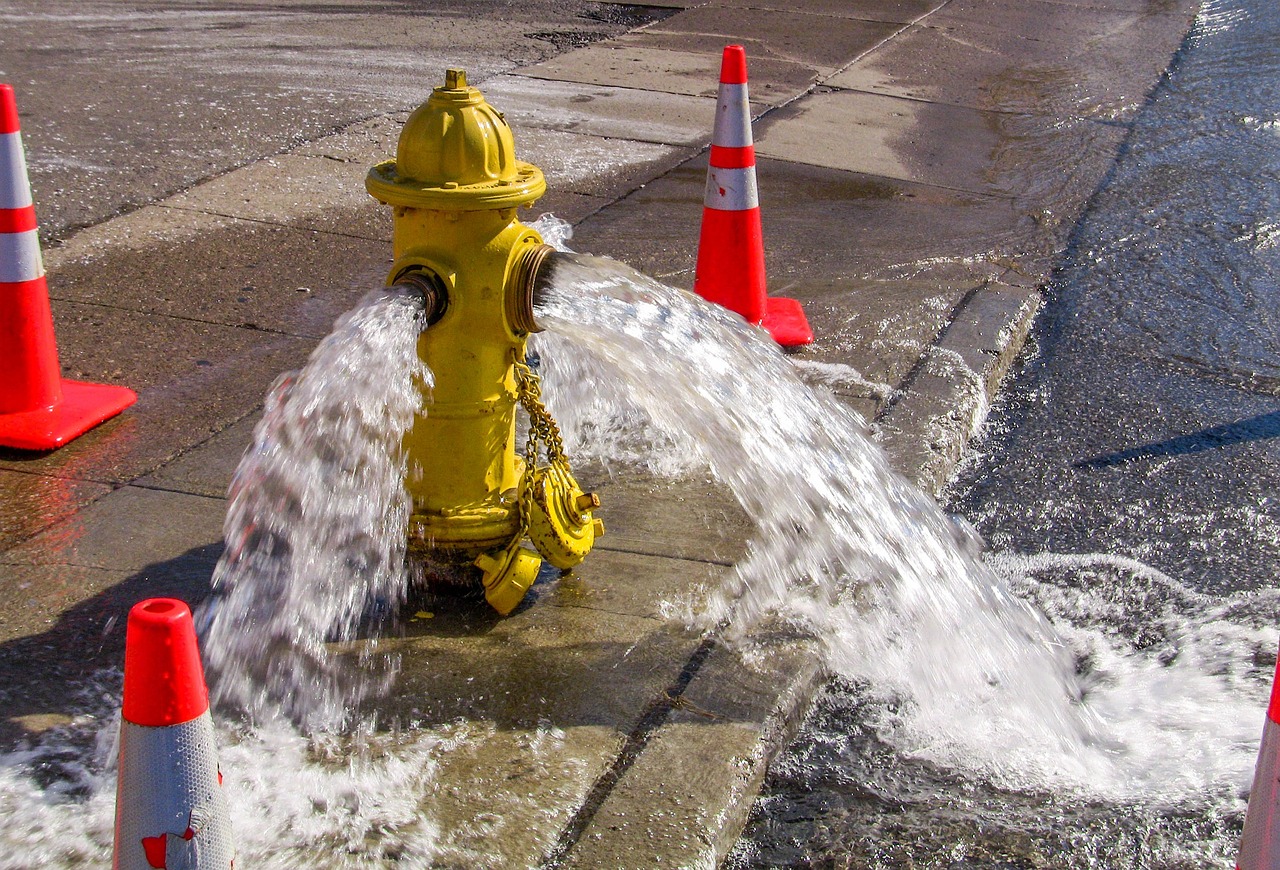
785 321
83 406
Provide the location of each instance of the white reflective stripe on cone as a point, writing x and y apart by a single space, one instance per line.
1260 843
733 118
169 800
15 190
20 257
14 187
731 189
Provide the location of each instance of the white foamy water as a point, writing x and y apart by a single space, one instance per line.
1021 696
296 801
315 530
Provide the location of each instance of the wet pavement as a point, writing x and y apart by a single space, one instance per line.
199 177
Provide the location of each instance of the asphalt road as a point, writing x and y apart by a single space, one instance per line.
1145 427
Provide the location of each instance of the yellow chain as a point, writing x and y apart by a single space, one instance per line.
542 430
542 427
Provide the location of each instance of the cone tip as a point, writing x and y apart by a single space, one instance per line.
733 67
8 110
163 679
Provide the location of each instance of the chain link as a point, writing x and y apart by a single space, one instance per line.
542 427
542 430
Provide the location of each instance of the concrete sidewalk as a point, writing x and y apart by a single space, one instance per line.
921 163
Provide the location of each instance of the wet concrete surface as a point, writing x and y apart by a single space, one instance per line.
915 224
125 103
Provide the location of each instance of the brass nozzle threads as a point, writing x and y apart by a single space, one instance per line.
523 287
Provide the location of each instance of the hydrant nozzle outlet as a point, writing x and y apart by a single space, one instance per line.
428 285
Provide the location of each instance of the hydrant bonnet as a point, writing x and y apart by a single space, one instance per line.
456 153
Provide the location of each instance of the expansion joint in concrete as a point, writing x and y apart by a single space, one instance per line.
653 717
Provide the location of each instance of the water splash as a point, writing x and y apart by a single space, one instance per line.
296 800
315 526
955 670
844 547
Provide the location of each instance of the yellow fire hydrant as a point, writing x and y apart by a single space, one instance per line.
455 186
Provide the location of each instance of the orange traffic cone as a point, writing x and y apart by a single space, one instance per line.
170 809
1260 843
38 409
730 270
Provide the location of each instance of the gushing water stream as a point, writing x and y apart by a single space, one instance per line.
315 528
964 675
844 548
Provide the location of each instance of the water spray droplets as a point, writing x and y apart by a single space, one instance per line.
843 548
315 528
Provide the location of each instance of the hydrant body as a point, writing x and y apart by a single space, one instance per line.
455 186
466 475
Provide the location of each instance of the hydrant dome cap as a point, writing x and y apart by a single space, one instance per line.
456 152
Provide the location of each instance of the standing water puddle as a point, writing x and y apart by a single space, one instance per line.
955 674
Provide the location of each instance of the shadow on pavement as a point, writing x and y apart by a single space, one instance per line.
1256 428
43 676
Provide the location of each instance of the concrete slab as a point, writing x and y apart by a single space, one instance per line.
548 696
673 64
686 791
662 4
193 379
560 666
594 165
635 584
323 189
686 518
1050 167
216 270
822 224
30 503
596 110
1037 57
823 42
362 143
125 531
571 207
870 334
893 11
507 790
1151 7
885 136
314 193
207 468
